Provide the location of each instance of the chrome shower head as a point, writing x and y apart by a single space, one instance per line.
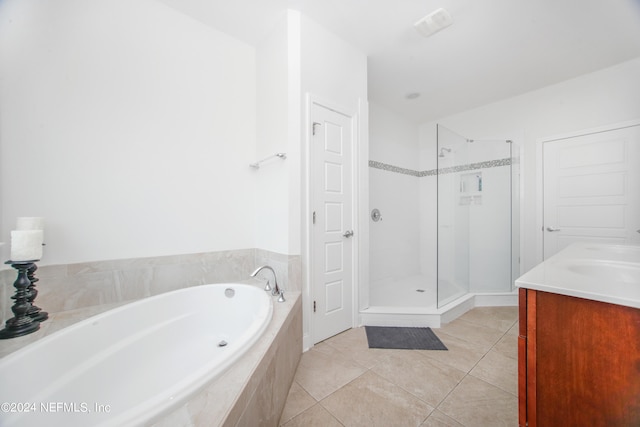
442 150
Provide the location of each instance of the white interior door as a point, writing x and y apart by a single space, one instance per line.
592 189
332 222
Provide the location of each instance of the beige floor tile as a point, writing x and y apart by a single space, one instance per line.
372 401
498 370
480 336
500 318
476 403
515 329
353 343
461 354
316 416
508 346
482 344
427 379
438 419
356 336
298 401
321 373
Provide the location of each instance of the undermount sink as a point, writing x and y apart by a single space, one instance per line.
604 272
624 272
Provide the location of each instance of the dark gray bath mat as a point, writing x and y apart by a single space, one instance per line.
403 338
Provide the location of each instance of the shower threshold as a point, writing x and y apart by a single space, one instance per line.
432 316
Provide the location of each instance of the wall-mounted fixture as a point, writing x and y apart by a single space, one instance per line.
257 164
442 150
433 22
376 215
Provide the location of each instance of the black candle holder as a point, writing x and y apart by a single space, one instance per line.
35 312
22 323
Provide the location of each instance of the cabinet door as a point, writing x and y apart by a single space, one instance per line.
586 362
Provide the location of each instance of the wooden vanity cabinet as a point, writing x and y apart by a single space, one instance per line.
578 362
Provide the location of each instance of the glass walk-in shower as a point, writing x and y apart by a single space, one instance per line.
477 231
442 229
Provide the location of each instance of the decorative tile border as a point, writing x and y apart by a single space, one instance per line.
473 166
391 168
429 172
453 169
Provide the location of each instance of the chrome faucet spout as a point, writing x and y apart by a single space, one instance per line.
275 290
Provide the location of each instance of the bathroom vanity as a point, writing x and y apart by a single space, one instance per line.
579 338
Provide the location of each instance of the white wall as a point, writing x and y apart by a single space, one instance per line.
271 180
331 68
394 251
604 97
128 126
394 139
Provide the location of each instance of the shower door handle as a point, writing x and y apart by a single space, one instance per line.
348 233
551 229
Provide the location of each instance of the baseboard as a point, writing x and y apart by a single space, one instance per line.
497 300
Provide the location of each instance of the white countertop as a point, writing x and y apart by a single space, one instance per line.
599 272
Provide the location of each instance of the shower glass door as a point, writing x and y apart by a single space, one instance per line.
453 218
477 194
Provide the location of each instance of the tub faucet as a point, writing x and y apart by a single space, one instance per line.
276 290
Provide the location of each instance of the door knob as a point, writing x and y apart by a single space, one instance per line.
348 233
552 229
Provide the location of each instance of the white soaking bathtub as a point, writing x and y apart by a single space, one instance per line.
130 365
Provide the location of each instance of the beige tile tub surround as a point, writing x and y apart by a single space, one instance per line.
252 392
74 286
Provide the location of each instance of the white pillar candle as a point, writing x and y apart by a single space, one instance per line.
30 223
26 245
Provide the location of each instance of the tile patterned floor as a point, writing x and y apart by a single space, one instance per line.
342 382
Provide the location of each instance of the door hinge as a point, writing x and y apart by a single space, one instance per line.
314 217
314 306
313 127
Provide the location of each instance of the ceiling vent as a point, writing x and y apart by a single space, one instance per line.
433 22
